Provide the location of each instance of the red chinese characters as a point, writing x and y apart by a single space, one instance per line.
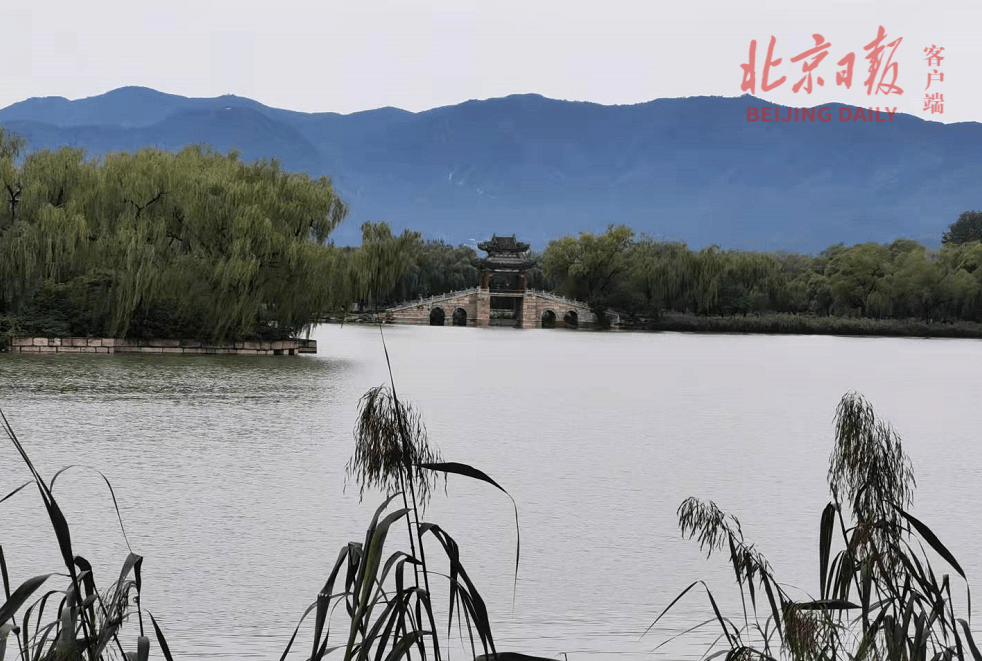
750 72
880 59
934 102
876 63
817 54
845 76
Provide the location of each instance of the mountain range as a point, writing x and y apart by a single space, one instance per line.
691 169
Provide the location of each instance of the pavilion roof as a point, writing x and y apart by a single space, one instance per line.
503 244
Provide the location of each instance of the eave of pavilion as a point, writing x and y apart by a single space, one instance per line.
507 261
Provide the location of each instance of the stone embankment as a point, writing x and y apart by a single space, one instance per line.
107 345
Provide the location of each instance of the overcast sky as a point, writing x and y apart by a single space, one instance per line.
317 55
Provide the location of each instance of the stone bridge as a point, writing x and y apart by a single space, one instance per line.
473 307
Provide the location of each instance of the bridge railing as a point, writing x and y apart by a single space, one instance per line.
556 297
434 299
472 290
612 314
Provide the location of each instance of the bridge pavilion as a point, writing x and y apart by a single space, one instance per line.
502 297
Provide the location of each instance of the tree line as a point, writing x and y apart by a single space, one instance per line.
645 278
200 245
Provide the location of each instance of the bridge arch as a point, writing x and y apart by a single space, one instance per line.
460 317
571 319
548 319
437 316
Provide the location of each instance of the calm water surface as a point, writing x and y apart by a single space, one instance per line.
230 470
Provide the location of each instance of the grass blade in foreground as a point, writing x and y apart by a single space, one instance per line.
87 621
473 473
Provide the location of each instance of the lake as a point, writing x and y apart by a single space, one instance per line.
229 470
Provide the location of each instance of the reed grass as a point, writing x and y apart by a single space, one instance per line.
390 610
86 623
878 596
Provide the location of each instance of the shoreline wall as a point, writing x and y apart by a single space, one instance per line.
108 345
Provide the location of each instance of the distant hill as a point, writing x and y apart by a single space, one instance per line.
691 169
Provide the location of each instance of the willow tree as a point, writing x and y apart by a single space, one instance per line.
590 267
250 236
381 261
197 240
437 268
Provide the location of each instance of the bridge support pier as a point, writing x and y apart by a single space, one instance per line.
483 317
530 317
